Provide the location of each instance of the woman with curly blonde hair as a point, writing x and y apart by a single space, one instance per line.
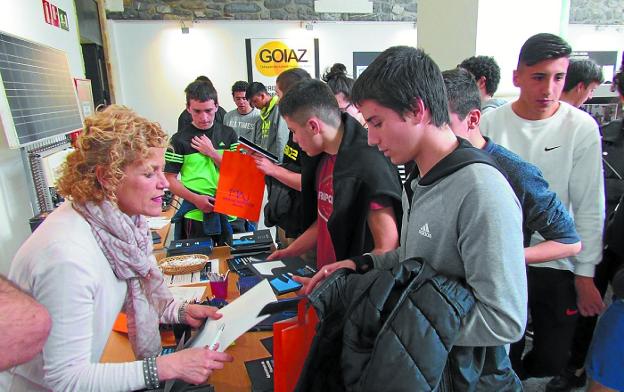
92 257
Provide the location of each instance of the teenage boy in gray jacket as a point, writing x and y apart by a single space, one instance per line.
460 215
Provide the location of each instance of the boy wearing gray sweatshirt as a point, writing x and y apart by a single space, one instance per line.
459 214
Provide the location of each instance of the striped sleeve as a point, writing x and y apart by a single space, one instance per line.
171 156
173 161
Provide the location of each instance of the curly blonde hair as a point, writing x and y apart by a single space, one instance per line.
111 139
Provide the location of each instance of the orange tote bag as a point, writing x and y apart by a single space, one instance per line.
240 188
291 343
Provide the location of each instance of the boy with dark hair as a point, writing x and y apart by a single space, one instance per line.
195 155
565 144
271 132
185 118
487 74
582 79
542 211
289 78
351 193
460 214
242 119
283 207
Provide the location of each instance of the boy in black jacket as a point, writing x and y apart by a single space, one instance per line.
351 192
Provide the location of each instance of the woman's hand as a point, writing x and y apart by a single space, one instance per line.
196 314
192 365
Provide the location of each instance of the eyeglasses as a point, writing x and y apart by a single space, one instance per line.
345 108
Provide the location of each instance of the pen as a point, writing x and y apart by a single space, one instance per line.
213 345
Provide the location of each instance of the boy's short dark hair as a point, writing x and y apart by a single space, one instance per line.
309 98
543 46
203 78
254 89
462 92
398 77
201 91
240 86
584 71
483 66
290 77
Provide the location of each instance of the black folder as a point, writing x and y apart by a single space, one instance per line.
257 149
260 374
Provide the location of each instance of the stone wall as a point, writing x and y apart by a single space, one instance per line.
604 12
600 12
383 10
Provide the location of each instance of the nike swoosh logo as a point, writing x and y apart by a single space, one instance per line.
571 312
550 148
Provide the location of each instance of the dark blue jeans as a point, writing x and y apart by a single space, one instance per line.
215 225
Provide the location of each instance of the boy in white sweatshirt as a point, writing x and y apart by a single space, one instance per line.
564 143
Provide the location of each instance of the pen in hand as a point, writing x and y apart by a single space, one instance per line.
213 345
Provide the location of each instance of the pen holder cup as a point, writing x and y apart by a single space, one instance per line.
219 288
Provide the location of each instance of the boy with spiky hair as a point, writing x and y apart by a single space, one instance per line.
271 132
192 166
243 119
542 211
351 195
564 143
459 213
582 79
487 75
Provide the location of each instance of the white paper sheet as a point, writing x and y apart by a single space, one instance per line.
156 223
188 294
240 315
265 269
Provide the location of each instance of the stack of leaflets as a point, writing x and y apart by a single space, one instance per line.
240 264
280 272
212 266
251 242
190 246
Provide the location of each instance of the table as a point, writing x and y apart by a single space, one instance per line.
233 377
